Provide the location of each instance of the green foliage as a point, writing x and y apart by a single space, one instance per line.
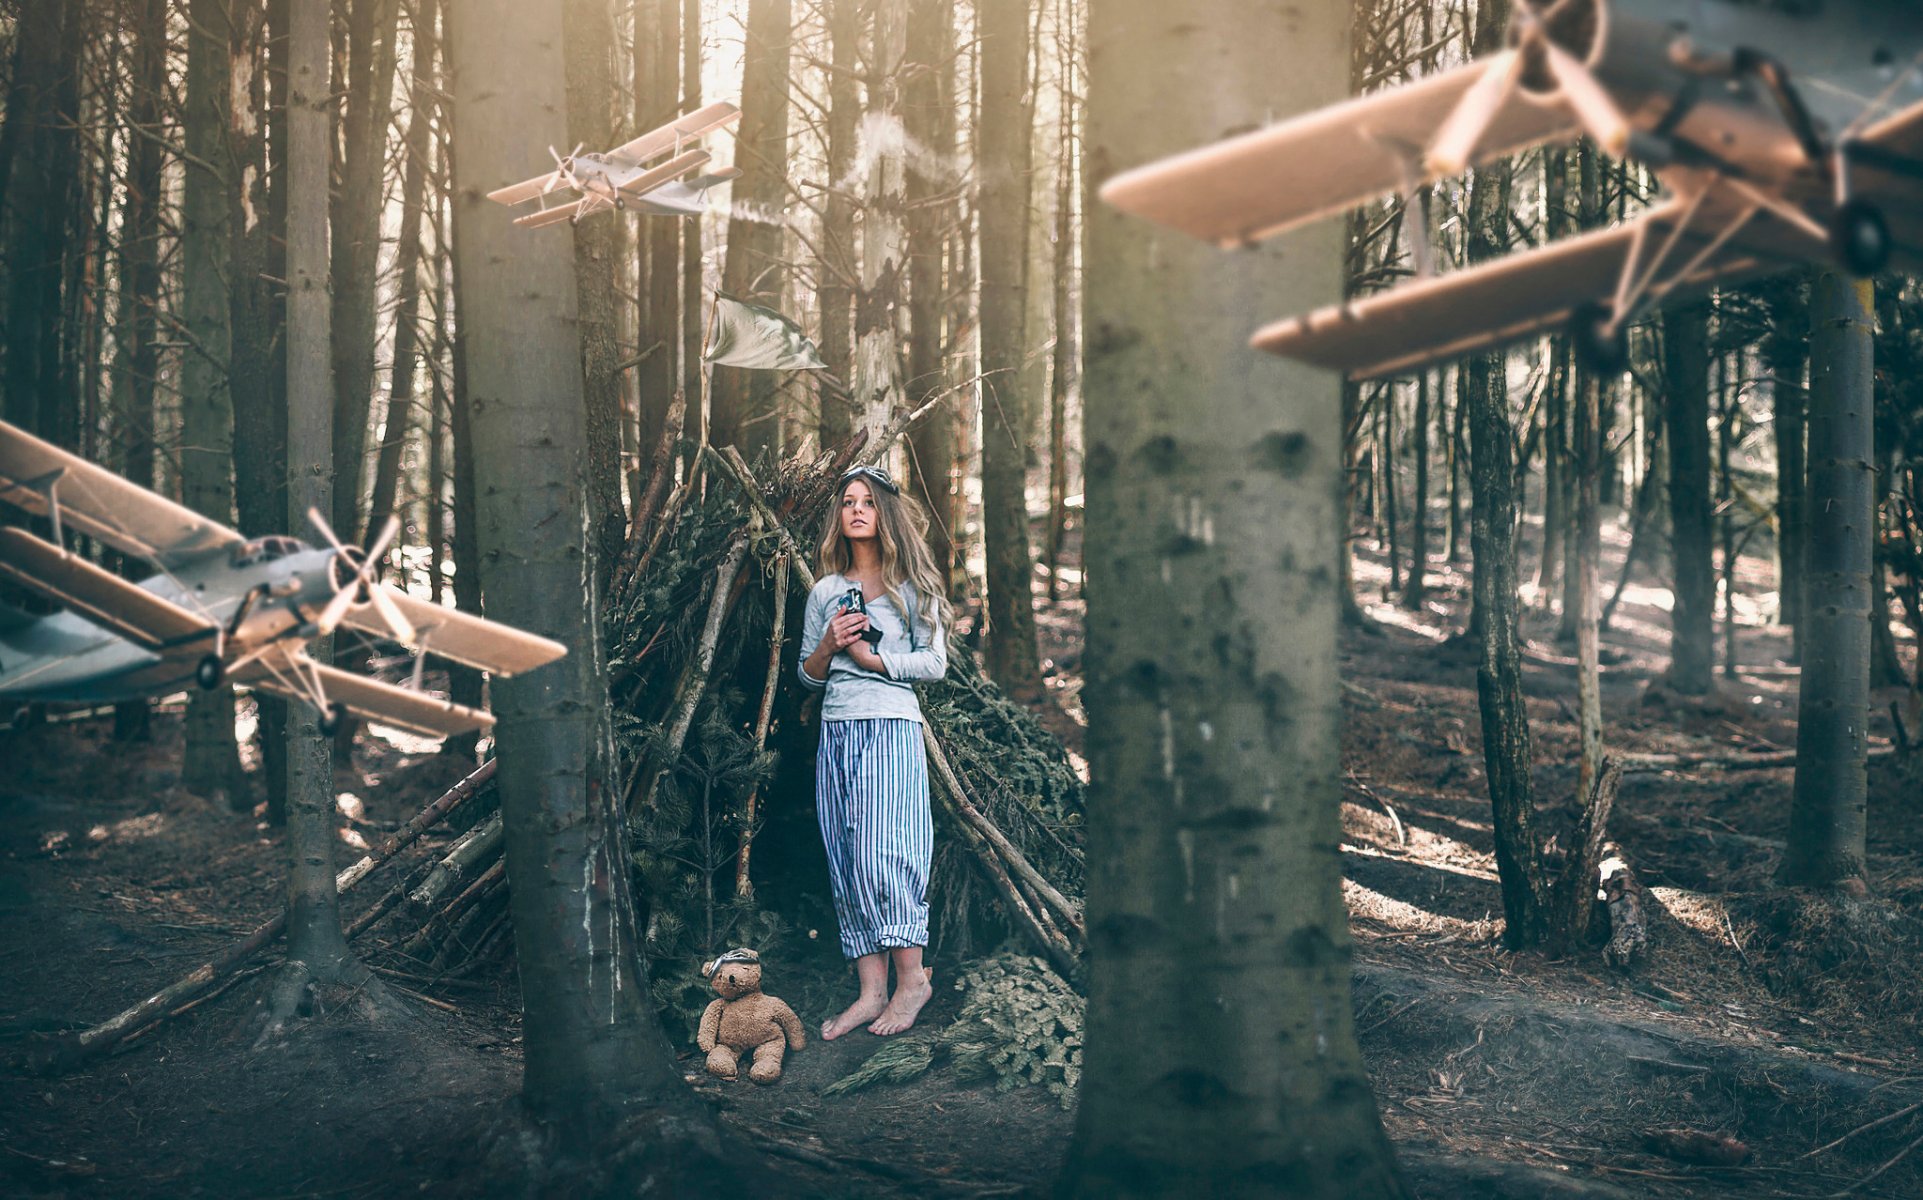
1020 1025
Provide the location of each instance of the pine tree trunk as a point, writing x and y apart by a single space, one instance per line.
1692 638
1785 354
592 1039
837 292
1066 357
39 124
1831 793
1587 438
1013 659
694 285
1221 1057
884 230
407 252
598 246
657 91
744 401
1414 592
314 935
356 221
929 121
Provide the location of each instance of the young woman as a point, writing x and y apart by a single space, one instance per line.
871 773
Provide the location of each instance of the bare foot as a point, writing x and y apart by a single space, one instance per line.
904 1006
863 1010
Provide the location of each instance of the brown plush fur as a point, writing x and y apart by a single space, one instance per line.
744 1021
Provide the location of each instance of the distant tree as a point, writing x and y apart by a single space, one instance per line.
657 97
1831 794
744 401
834 417
1692 644
929 120
211 762
1002 133
1221 1059
1785 356
879 311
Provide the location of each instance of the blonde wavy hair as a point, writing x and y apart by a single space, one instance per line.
901 529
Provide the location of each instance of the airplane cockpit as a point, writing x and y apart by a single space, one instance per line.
267 549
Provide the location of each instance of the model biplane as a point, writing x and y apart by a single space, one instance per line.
221 607
1783 133
622 178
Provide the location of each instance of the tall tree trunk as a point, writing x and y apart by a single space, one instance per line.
595 1050
39 125
1587 439
372 27
1415 590
316 949
1785 355
657 95
694 284
884 229
589 47
1692 638
929 121
137 358
211 761
1003 131
1457 452
744 401
1831 793
1221 1055
415 147
837 293
1066 357
464 683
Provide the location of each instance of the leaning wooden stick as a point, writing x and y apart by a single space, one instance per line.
744 888
102 1037
694 684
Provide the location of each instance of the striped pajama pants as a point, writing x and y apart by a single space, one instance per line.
871 796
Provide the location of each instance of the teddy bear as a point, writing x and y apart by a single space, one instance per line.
745 1021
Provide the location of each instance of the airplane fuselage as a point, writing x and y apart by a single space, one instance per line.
68 658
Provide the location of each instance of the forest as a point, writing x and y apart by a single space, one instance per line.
1538 725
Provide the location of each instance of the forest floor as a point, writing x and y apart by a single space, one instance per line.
1498 1074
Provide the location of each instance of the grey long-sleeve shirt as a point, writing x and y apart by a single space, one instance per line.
854 692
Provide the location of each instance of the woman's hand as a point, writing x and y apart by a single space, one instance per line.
866 657
842 632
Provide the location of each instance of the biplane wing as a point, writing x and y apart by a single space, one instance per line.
527 189
149 621
552 216
293 674
450 633
93 500
1323 162
673 169
1428 320
668 137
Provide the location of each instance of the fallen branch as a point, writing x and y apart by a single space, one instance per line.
97 1040
1641 764
1016 860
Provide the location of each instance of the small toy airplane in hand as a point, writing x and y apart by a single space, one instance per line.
221 608
1786 134
621 178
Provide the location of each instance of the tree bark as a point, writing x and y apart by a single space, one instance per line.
1692 638
744 401
314 938
1002 131
1221 1057
40 120
1831 793
1786 356
1415 588
372 27
835 418
595 1049
884 229
930 121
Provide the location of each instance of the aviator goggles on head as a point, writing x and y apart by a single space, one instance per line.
876 474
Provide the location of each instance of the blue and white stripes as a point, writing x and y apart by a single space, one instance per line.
871 795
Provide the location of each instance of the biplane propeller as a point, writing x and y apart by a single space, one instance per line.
221 607
623 178
1784 134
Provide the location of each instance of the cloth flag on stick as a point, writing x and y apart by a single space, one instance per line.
748 335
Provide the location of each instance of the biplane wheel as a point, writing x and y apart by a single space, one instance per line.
330 719
1860 238
1597 349
209 672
